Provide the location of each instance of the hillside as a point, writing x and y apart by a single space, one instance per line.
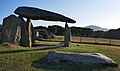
96 28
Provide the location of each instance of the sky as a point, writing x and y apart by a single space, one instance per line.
103 13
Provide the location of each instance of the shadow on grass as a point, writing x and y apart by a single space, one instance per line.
13 51
67 66
33 49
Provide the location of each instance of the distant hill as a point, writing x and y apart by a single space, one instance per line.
96 28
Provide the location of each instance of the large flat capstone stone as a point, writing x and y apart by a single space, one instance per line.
36 14
80 58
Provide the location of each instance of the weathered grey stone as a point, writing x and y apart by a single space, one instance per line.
16 31
18 35
24 33
31 32
33 35
27 34
36 14
11 32
67 37
80 58
0 33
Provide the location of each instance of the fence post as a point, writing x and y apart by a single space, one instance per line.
80 35
110 41
80 39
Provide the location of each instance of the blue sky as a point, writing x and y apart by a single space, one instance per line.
103 13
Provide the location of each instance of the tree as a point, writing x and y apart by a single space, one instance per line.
75 31
60 30
52 29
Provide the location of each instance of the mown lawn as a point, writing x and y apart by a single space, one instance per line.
28 59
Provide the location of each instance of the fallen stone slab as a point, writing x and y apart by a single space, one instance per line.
80 58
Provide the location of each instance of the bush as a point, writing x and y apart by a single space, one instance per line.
45 34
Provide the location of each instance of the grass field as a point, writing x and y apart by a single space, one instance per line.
28 59
88 40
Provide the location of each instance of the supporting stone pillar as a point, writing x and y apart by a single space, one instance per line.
24 33
29 32
11 32
67 37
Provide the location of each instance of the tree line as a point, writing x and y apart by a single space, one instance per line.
59 31
80 32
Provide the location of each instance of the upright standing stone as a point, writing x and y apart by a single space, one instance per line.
33 34
29 32
11 32
18 35
17 31
24 33
67 37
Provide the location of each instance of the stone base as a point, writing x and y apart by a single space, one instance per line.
80 58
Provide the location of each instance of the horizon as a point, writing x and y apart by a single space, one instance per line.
73 26
103 13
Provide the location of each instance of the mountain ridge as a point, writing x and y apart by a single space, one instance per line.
96 28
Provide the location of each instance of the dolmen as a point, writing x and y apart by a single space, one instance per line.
20 32
80 58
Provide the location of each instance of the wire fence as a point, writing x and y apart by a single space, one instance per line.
90 40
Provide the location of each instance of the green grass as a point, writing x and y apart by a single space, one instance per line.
19 58
28 59
110 51
19 61
47 42
87 39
